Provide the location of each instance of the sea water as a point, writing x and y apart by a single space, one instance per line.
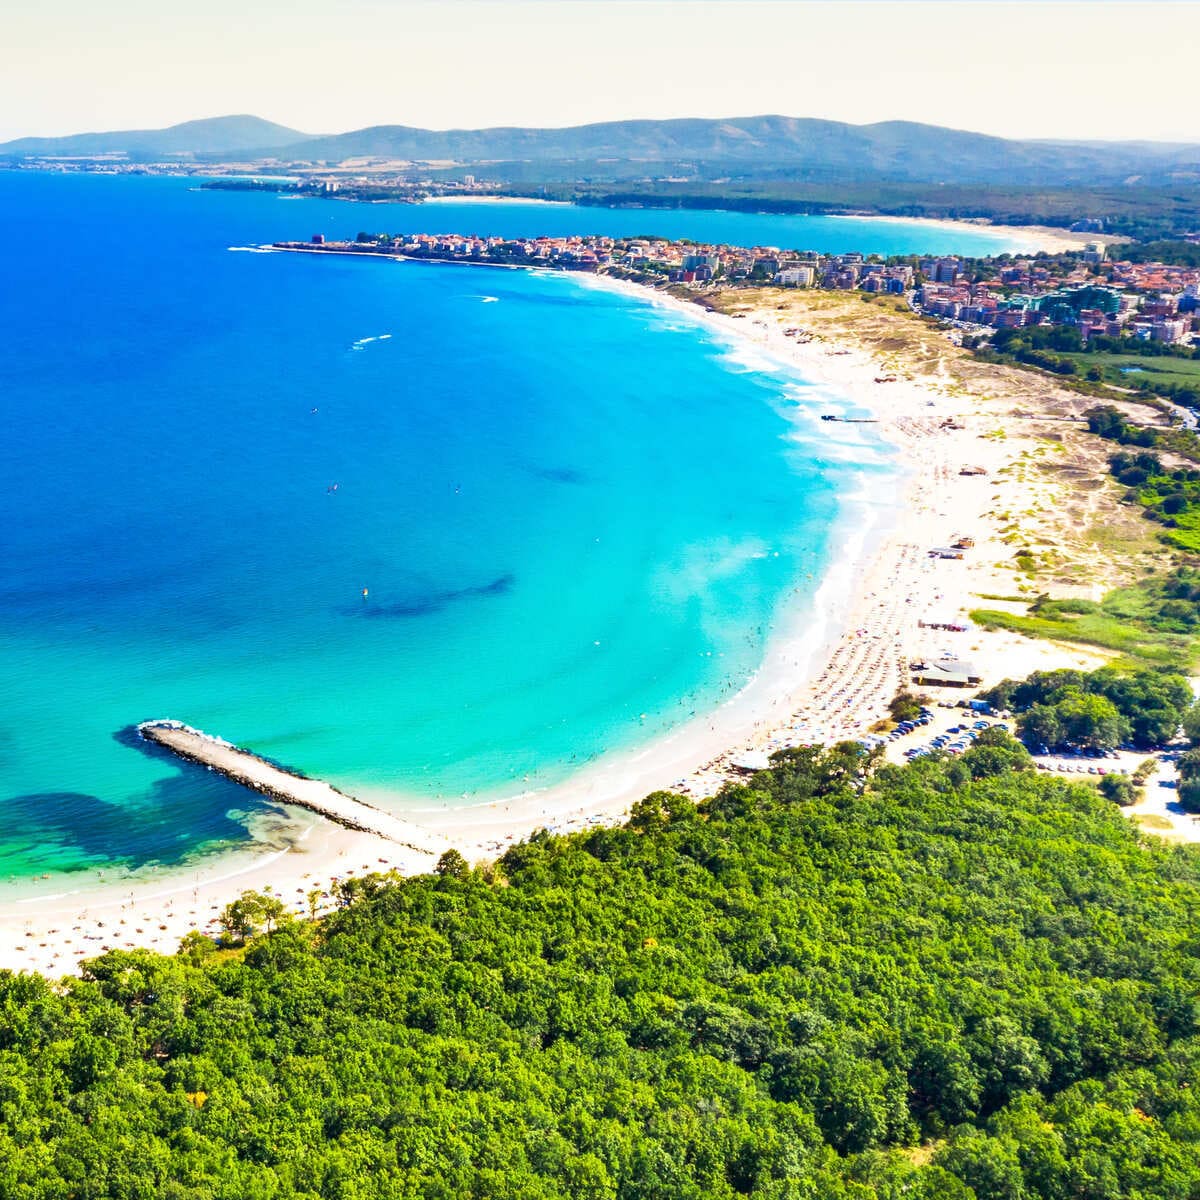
439 531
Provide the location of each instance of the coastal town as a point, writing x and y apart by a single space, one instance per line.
1088 291
1097 296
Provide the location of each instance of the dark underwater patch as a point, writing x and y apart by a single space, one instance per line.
559 474
172 820
425 603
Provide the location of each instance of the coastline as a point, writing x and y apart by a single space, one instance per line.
827 674
1049 238
455 198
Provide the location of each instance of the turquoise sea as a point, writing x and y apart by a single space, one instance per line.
444 531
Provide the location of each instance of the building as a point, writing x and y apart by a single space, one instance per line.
941 270
796 277
946 672
1170 330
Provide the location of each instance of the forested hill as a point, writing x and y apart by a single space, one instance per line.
767 147
213 135
775 147
782 994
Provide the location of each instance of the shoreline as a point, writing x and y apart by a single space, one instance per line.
1050 238
828 673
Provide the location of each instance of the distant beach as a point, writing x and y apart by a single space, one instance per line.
457 198
1036 238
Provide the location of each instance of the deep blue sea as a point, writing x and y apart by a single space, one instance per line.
445 531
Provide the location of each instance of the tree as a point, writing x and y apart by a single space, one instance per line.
238 918
1043 687
195 947
1118 788
452 865
1153 702
1105 420
995 752
904 706
1040 726
1189 795
272 912
991 1167
658 810
250 912
1090 721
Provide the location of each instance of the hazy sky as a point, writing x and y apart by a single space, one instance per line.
1066 68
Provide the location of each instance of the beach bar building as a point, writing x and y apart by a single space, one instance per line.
946 672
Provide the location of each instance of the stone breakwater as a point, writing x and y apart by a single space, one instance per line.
251 771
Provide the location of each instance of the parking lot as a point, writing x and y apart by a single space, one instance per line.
950 729
956 730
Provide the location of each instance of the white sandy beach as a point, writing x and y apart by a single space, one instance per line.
1049 238
828 676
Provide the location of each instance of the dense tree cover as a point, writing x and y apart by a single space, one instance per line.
1189 779
1021 350
1061 350
1175 251
1098 709
1108 422
1068 340
1170 496
777 994
1139 212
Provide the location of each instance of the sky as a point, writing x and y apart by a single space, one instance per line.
1017 68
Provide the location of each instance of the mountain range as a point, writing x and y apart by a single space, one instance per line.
765 147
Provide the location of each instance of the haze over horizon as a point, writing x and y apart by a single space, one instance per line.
1002 67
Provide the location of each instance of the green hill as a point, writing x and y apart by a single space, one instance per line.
950 981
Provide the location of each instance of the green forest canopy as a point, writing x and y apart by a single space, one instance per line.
777 994
1103 708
